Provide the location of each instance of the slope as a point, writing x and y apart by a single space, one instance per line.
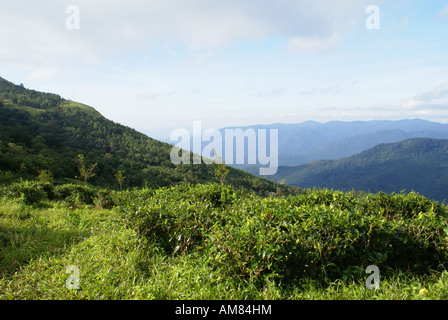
416 164
42 131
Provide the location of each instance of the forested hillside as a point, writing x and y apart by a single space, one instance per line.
42 131
419 165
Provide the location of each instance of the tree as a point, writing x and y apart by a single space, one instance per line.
120 178
85 172
23 168
221 170
45 176
6 177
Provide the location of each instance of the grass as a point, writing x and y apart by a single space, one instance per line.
87 109
38 243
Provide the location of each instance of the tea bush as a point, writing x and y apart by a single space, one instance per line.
401 205
73 193
177 217
28 192
323 234
319 233
214 241
34 192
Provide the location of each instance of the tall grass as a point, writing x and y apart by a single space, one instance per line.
214 242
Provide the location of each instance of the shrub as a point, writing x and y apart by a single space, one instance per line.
6 177
320 234
177 217
290 239
252 240
74 194
48 188
401 205
321 241
105 199
28 192
45 176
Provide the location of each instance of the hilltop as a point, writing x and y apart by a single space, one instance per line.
43 131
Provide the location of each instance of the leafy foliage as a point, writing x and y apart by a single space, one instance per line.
216 241
28 192
41 131
320 234
86 172
171 232
45 176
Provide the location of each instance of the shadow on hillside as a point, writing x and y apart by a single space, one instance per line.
18 246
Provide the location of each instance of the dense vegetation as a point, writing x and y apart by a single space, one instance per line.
41 131
138 227
218 242
419 165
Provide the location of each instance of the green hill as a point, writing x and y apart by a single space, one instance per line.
419 165
301 143
42 131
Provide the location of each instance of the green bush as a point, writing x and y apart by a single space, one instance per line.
252 239
401 205
48 188
28 192
75 194
221 238
177 217
133 198
6 177
105 199
321 234
322 242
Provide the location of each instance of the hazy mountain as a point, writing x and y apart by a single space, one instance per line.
351 146
311 141
413 164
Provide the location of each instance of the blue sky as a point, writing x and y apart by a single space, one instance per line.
160 65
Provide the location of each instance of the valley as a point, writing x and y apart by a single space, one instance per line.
94 210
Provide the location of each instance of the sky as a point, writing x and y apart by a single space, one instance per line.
159 65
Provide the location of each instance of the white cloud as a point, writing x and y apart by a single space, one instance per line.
32 41
439 92
44 74
412 104
200 57
276 92
111 26
431 99
312 45
444 12
335 89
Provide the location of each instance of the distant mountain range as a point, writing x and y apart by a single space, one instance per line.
378 155
310 141
42 131
418 164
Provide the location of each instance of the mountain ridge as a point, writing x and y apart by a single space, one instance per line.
309 141
416 164
43 131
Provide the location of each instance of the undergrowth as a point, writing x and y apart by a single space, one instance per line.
218 242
